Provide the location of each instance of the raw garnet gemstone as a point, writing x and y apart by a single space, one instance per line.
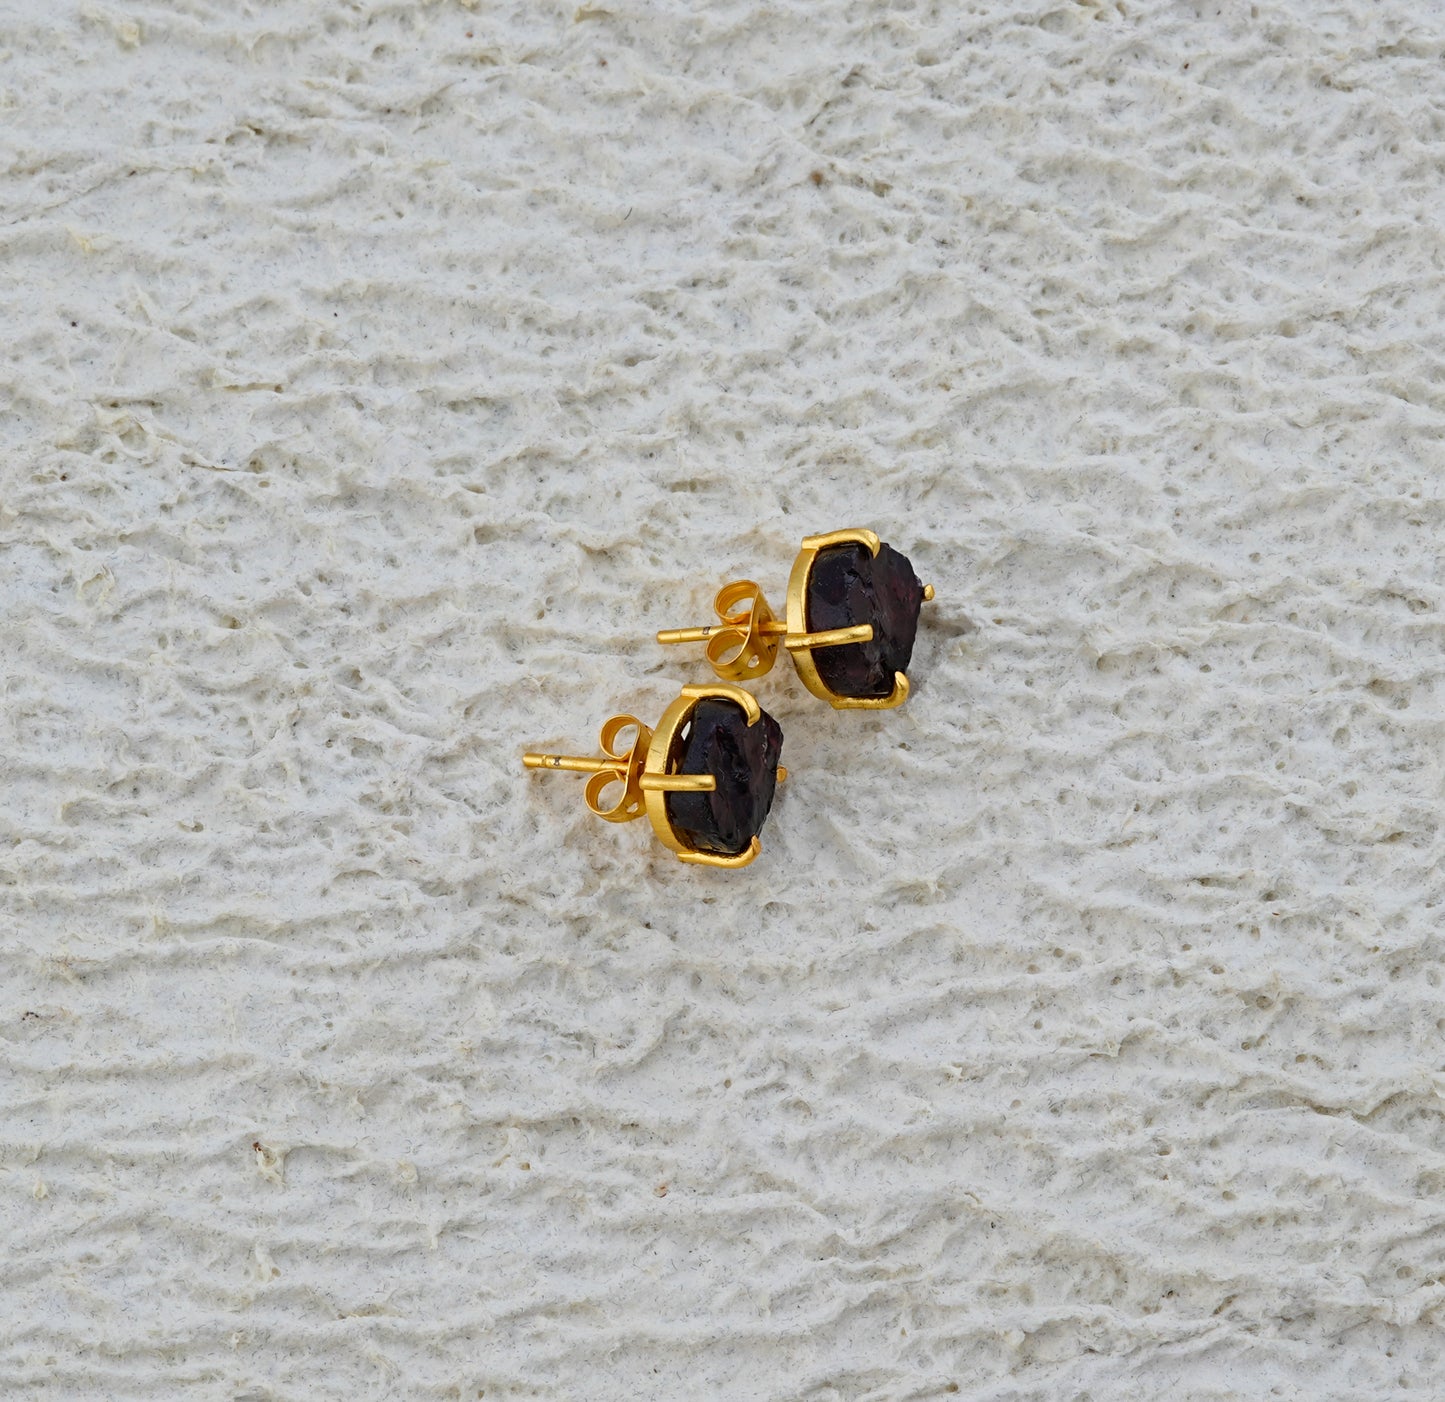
847 586
743 759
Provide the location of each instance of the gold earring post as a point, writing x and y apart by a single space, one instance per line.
745 643
772 629
575 763
831 637
648 783
626 767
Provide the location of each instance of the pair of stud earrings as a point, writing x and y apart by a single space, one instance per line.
706 774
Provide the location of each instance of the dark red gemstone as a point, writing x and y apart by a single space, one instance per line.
742 758
848 586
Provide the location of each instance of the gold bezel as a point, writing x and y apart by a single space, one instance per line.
798 638
655 794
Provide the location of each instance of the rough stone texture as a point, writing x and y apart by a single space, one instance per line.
849 585
376 376
743 759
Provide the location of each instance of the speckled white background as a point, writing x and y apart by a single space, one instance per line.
375 379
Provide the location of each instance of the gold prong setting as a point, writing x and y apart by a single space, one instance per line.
895 698
716 859
832 637
661 757
870 539
745 699
678 783
635 774
801 644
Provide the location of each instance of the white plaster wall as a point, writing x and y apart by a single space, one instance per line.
376 378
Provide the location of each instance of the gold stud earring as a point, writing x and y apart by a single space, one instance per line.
853 605
704 776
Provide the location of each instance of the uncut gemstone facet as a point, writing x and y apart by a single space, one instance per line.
743 759
848 586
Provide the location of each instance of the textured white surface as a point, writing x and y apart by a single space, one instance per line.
377 377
